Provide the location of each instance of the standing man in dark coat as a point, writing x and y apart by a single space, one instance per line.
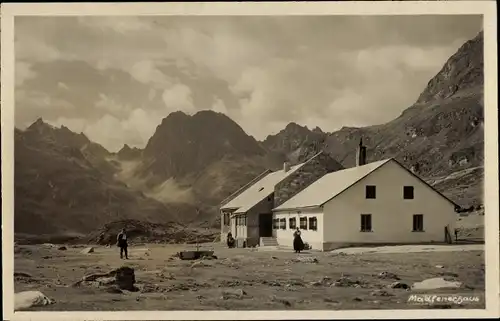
122 243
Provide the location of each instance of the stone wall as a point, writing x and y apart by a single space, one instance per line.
311 171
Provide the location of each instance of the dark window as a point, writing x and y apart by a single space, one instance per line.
408 192
283 223
226 219
276 223
313 223
371 192
418 223
303 223
366 222
292 222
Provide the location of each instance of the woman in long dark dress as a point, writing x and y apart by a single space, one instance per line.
298 245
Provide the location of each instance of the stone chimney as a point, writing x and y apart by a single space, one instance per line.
361 154
286 167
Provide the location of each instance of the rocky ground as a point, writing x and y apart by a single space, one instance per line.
471 226
73 278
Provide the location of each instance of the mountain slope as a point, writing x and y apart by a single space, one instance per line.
198 159
58 190
462 73
440 134
184 145
296 143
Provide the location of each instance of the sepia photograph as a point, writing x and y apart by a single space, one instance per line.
249 162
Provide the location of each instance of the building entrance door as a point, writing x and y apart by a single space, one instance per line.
266 225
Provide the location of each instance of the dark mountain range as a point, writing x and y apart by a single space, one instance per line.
185 145
65 184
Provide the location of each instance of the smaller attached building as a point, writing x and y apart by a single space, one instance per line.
248 213
377 203
248 216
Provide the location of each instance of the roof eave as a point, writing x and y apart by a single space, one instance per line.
287 209
237 214
229 208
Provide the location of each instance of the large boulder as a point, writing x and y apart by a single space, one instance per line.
125 278
436 283
87 250
27 299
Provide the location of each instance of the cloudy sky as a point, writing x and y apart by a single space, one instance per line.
115 78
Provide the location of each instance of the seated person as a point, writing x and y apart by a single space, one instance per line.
230 240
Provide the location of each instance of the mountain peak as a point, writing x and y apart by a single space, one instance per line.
190 143
176 115
66 129
296 140
128 153
39 124
294 125
462 73
206 112
39 120
318 130
127 149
